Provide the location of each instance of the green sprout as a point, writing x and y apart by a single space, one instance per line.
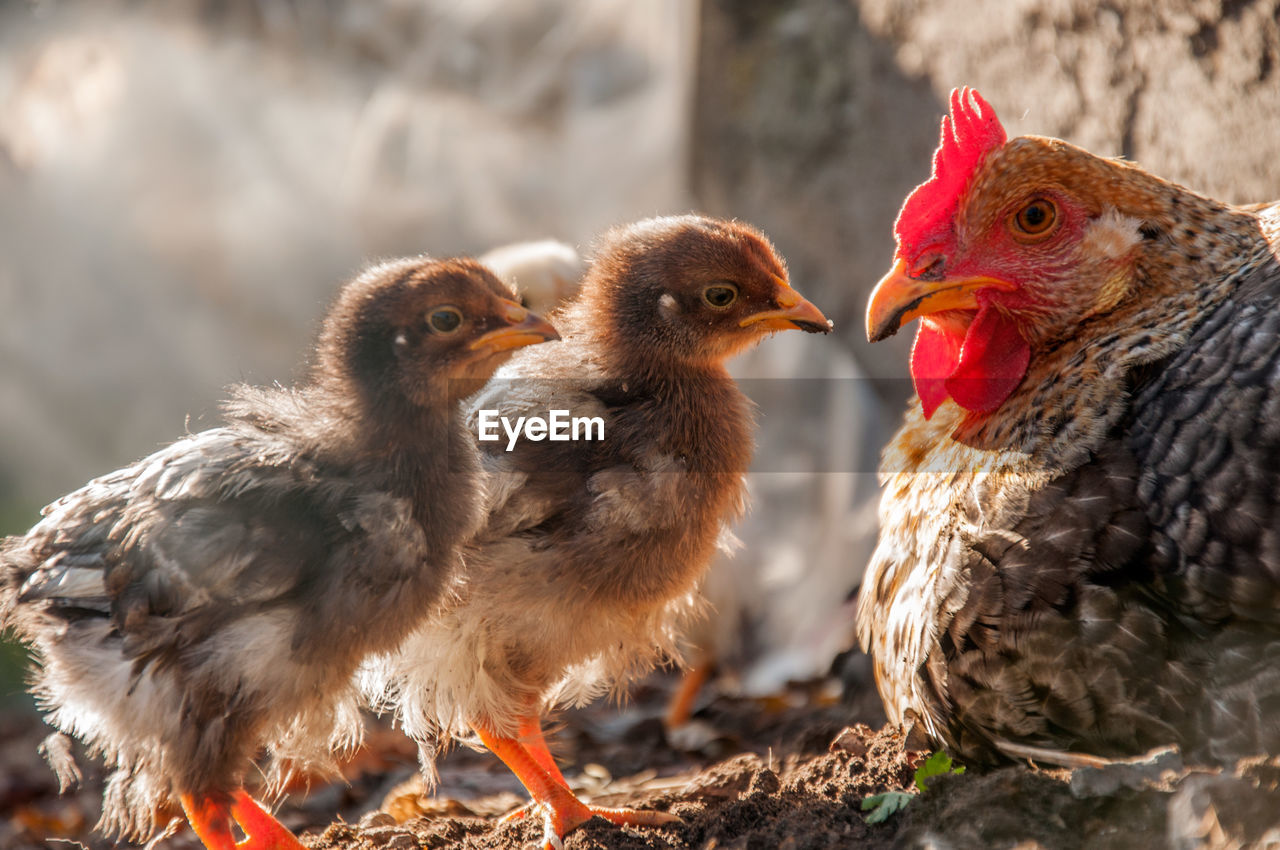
883 806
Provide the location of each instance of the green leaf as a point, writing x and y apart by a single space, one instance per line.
883 806
937 764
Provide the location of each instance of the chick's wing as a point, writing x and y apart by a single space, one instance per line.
215 526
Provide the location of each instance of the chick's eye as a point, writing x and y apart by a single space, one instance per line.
1036 218
446 320
720 295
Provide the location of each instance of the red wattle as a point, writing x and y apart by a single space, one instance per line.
934 358
979 368
993 361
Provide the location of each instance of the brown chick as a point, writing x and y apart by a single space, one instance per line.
215 598
593 548
1079 551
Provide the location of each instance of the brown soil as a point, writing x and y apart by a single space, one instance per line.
788 772
747 774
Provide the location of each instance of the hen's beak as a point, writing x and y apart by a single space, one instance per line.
794 313
898 298
523 328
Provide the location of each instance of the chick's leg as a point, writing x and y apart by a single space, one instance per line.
680 709
530 733
262 831
530 736
210 817
563 812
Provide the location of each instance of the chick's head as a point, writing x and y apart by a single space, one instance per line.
423 331
692 289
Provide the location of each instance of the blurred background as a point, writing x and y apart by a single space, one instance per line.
184 185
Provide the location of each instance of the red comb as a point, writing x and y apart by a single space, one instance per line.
969 133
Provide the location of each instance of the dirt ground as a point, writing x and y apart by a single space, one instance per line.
787 772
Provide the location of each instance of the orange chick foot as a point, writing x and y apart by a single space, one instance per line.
519 814
563 813
210 818
680 709
621 817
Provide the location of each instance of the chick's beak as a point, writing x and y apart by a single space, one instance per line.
898 298
794 313
523 328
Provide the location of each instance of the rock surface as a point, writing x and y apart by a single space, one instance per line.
815 119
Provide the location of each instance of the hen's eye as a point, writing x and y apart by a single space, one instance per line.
1036 218
446 320
720 295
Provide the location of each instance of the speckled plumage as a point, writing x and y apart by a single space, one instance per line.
1095 565
214 598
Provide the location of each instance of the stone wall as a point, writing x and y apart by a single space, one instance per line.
814 118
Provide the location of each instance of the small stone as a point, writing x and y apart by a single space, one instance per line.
917 738
403 841
381 835
693 736
852 739
1139 773
598 772
373 820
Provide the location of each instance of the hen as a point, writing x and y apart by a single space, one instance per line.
593 548
216 597
1080 535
